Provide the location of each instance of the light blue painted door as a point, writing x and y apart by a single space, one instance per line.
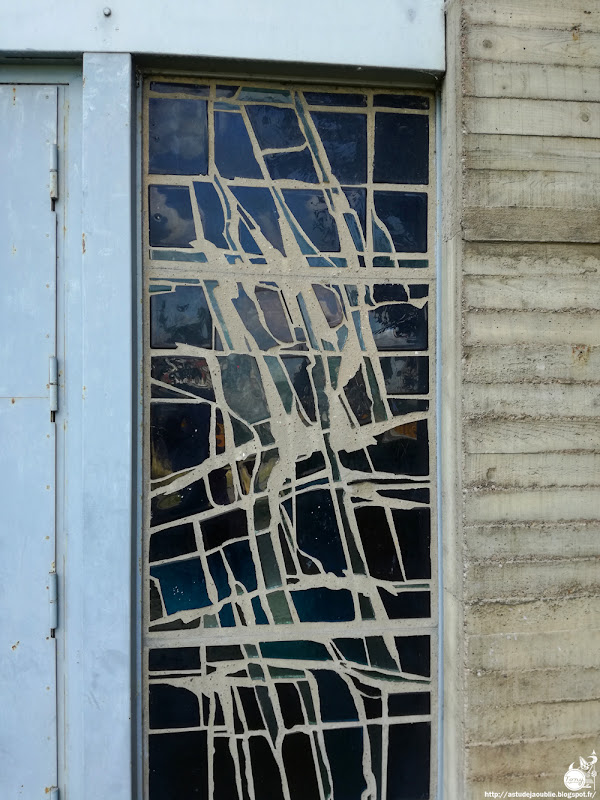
28 128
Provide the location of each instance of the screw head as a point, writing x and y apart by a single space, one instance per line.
107 11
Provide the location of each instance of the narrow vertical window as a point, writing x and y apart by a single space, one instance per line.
290 618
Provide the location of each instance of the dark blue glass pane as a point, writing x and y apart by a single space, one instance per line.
415 101
171 218
297 165
310 210
352 650
415 654
218 530
168 507
259 613
239 558
345 755
172 542
183 585
324 605
173 658
173 707
246 241
401 148
300 767
405 216
408 763
179 436
258 204
242 387
247 310
275 127
226 90
295 650
402 450
406 605
178 766
389 291
219 575
378 545
182 317
399 326
211 213
178 137
234 156
317 530
179 88
184 373
344 137
406 375
357 200
336 701
409 703
226 617
413 534
335 99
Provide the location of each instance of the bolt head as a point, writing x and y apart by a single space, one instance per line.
107 11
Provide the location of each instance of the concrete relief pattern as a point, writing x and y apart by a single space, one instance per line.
290 618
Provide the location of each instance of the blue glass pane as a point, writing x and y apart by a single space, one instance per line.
415 101
264 95
179 436
178 137
335 99
258 204
182 584
247 243
226 91
239 558
324 605
243 387
171 218
401 148
182 317
344 137
234 156
336 701
311 211
399 326
317 530
357 200
179 88
381 243
295 650
297 165
211 213
181 503
408 769
405 216
407 375
345 755
275 127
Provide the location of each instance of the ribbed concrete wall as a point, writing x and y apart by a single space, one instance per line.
521 392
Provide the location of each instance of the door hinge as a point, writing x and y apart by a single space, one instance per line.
53 602
53 793
53 386
53 174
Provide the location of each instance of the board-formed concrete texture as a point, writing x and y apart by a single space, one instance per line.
521 463
407 34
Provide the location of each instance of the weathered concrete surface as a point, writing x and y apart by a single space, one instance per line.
521 422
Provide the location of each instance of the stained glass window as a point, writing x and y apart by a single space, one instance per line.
290 616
